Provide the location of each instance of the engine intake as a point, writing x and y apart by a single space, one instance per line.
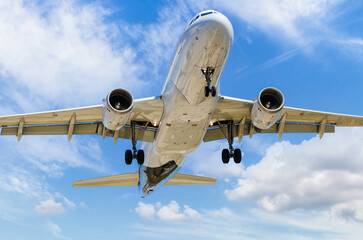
117 108
267 108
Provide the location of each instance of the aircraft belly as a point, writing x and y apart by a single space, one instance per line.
183 128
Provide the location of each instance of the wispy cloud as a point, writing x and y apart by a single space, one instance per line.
60 54
54 229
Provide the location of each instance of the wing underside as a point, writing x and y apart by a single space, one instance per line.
87 120
291 120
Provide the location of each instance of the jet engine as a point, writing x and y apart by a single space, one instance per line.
267 108
117 108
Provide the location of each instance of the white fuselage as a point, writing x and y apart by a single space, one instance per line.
187 112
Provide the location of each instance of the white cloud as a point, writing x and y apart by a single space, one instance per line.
312 175
298 20
352 41
224 223
49 207
207 161
54 229
170 212
71 205
191 213
61 54
350 210
146 211
157 41
53 154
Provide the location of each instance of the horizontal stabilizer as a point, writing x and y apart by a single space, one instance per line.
128 179
185 179
132 179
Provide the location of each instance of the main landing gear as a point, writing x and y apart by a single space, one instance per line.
208 72
231 152
134 154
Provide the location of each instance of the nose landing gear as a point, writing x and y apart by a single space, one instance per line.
231 152
208 72
134 154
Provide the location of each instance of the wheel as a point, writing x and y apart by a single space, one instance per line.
206 91
237 155
213 91
225 156
128 157
140 157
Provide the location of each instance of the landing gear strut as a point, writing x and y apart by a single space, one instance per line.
208 72
134 154
231 152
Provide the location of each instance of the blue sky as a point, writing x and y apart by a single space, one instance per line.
60 54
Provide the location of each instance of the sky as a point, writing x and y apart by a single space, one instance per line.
62 54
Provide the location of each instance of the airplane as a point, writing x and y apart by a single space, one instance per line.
189 110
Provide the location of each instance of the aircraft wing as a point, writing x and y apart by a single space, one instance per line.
85 120
291 120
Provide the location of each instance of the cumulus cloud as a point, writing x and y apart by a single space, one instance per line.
312 175
170 212
49 207
146 211
52 207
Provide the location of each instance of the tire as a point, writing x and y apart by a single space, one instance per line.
140 157
237 155
128 157
206 91
225 156
213 91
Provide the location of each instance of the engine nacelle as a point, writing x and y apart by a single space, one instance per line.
117 108
267 108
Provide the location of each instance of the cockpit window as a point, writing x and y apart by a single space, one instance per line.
207 13
201 15
195 18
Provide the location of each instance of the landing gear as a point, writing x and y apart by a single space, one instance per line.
134 154
225 156
128 157
231 152
208 72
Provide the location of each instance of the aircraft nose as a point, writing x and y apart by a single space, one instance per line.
216 26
